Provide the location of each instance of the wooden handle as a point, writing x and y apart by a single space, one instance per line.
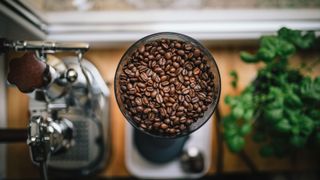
28 73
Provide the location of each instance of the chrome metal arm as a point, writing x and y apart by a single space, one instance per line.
45 46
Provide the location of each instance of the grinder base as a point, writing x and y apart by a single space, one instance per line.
140 167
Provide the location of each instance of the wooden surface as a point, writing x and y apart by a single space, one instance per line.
18 160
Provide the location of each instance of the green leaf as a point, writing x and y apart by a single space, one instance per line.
307 125
285 48
293 116
295 36
273 115
283 126
235 78
229 100
248 115
297 141
230 131
236 144
266 55
310 89
245 129
295 130
248 58
238 111
293 100
266 151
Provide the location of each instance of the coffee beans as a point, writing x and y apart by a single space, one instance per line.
166 85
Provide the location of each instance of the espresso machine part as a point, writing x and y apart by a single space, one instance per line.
69 101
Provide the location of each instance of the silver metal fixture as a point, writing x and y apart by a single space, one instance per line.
69 101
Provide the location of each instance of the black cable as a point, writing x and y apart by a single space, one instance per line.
43 171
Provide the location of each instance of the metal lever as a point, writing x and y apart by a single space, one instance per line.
42 46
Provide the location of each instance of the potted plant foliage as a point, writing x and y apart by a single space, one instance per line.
281 107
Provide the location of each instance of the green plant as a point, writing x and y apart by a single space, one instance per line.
281 107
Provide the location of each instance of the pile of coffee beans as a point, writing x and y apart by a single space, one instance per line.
166 85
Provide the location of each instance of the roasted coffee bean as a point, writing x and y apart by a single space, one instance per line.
143 126
167 121
182 127
172 100
168 55
159 98
196 71
150 89
181 78
162 61
153 94
168 104
155 110
181 52
164 126
189 122
176 65
181 98
172 69
137 119
166 85
180 108
183 120
156 125
163 78
173 80
145 101
175 106
157 79
197 62
166 89
185 91
202 95
188 98
141 49
184 72
138 101
144 76
147 110
139 108
165 45
177 45
195 100
196 53
172 90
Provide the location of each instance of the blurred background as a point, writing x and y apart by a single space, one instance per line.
111 26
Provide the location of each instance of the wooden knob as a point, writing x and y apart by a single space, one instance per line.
28 73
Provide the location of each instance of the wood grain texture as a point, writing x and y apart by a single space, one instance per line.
106 60
18 160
